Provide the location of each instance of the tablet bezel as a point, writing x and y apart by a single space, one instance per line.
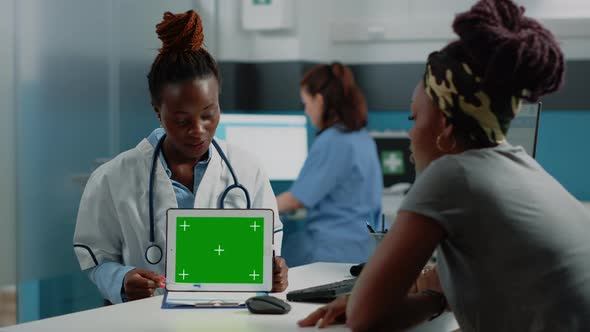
268 217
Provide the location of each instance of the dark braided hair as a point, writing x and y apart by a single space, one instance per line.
343 100
182 56
511 52
513 57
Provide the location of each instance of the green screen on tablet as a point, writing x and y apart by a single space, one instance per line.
219 250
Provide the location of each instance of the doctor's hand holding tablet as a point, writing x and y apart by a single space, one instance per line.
120 234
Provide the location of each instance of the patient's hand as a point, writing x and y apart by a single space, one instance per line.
280 274
333 312
428 279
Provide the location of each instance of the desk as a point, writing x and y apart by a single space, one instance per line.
146 315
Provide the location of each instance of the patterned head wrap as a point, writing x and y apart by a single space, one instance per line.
464 100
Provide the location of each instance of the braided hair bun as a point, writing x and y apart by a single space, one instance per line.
182 56
514 54
180 32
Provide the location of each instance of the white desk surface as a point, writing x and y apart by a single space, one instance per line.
146 315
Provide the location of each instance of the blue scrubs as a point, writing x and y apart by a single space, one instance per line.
340 184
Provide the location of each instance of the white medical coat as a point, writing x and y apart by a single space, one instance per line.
113 218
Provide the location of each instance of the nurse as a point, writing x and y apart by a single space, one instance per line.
113 227
340 183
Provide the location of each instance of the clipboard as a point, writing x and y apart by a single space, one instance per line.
206 300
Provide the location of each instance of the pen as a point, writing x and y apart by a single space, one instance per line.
369 227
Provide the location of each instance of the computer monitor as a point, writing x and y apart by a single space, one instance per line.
525 127
393 149
278 142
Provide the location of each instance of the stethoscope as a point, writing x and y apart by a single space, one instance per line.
154 253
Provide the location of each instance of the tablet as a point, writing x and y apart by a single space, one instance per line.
219 250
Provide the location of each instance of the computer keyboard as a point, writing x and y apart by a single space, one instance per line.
322 293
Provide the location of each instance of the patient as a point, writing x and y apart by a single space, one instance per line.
512 242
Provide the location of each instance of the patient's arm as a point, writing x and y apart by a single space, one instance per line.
380 299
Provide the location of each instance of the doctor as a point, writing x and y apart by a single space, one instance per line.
118 240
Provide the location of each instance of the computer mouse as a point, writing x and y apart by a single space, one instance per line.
267 305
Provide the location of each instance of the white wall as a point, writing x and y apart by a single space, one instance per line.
7 153
379 30
235 44
557 8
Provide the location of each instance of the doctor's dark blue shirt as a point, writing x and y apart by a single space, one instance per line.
341 185
185 197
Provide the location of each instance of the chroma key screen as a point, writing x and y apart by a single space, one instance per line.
219 250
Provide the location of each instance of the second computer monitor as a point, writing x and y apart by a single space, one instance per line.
393 149
524 129
278 142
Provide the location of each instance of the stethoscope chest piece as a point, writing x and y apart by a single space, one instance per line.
153 254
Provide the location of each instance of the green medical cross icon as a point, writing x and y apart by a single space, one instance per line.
392 162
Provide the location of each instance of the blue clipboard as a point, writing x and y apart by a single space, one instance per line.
205 304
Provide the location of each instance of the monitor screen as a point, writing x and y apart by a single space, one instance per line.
523 129
279 142
393 149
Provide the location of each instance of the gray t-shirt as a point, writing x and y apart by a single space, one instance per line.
516 256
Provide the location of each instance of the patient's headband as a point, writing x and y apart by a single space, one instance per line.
460 94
